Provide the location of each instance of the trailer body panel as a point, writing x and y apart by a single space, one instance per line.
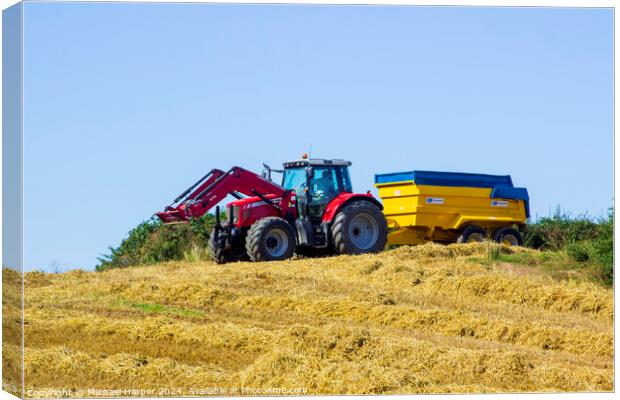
422 206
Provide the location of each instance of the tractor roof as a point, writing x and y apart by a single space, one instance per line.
316 161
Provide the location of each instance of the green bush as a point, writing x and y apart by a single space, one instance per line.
554 233
579 251
152 242
583 239
603 249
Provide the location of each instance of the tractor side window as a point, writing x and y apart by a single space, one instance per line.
345 179
324 182
294 179
323 188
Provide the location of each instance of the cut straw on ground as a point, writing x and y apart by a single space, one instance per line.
425 319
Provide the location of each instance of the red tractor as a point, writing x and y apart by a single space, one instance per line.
313 211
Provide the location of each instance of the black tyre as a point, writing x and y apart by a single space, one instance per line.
270 239
312 252
508 236
225 255
472 234
358 228
217 254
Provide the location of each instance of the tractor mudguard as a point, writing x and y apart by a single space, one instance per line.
343 198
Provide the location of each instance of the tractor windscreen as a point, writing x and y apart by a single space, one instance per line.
295 179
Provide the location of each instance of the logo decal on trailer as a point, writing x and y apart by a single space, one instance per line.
434 200
499 203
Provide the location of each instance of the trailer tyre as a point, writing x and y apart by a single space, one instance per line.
508 236
270 239
472 234
358 228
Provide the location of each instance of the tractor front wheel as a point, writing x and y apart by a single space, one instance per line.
225 255
217 253
358 228
270 239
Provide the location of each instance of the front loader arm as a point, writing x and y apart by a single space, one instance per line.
213 188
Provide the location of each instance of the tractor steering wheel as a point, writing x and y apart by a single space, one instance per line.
316 195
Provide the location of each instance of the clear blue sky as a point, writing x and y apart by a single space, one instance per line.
128 104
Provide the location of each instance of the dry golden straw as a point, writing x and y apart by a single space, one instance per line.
425 319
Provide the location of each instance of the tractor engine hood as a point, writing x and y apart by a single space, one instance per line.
254 200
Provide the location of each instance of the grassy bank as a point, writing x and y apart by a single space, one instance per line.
578 246
581 244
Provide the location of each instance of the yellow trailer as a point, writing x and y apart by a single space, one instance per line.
422 206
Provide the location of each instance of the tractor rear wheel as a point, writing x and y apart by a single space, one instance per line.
358 228
270 239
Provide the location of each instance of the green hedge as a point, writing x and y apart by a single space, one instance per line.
585 240
152 242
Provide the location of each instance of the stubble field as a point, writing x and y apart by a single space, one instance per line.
425 319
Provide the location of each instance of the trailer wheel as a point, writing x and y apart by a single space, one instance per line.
472 234
270 239
508 236
358 228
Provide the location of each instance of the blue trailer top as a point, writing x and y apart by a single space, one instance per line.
436 178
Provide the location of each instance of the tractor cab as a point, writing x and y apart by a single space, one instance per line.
316 182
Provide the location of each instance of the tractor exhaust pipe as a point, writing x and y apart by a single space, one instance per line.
216 229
